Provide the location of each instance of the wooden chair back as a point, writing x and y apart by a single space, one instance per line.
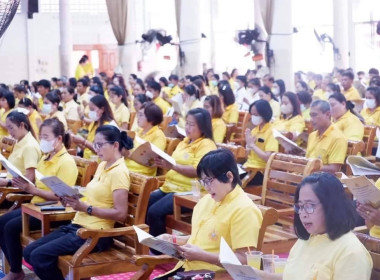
308 127
131 120
239 136
74 125
7 144
373 246
270 217
282 174
354 147
86 170
369 139
165 122
171 144
237 150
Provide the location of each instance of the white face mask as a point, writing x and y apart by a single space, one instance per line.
286 109
276 91
93 116
46 108
149 94
256 120
370 103
47 146
303 108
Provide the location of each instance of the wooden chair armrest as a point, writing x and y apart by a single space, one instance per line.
285 211
140 260
361 229
18 199
92 238
6 190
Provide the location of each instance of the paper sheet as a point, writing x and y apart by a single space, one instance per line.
363 190
288 144
146 153
13 170
361 166
59 187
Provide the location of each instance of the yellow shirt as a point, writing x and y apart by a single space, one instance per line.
26 153
185 109
33 118
79 72
157 138
265 141
293 124
70 110
186 154
306 114
60 116
174 91
61 165
83 99
311 84
351 126
135 126
375 230
99 193
276 109
120 114
323 259
330 147
231 114
165 106
351 94
371 118
320 93
236 218
219 130
3 117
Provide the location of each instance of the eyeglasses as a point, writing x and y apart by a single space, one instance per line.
99 145
206 182
308 207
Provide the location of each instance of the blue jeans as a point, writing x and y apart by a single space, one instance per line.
43 253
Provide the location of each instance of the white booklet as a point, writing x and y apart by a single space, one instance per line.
60 188
13 170
147 152
288 144
360 166
175 131
177 103
364 190
232 264
160 245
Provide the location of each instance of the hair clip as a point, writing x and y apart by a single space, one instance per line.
224 87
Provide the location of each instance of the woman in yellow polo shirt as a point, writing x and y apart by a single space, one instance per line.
326 248
231 109
26 153
52 109
266 94
148 118
56 162
305 101
119 106
345 118
187 155
226 211
7 103
107 194
138 101
100 113
260 140
70 106
34 117
371 114
190 101
213 106
291 120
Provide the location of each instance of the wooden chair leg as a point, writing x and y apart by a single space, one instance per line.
144 273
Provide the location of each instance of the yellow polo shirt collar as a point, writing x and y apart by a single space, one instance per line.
56 157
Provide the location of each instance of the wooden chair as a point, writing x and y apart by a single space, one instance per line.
369 139
74 125
353 148
165 122
6 145
237 150
118 259
148 263
171 145
86 170
373 246
131 120
239 136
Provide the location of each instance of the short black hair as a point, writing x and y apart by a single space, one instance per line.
97 89
281 85
83 81
255 81
243 79
228 95
340 214
173 77
142 98
217 163
263 108
268 91
73 82
44 83
304 97
293 98
349 75
154 85
153 113
7 95
203 119
192 91
20 88
373 71
164 80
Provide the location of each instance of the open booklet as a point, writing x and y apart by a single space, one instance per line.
232 264
160 245
146 153
288 144
361 166
175 131
60 188
364 190
13 169
177 103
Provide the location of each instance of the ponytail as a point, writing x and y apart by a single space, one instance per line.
126 142
66 140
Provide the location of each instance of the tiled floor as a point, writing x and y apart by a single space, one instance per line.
29 275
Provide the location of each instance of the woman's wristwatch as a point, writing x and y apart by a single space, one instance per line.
89 210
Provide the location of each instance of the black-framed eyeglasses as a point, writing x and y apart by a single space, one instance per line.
308 207
206 181
99 145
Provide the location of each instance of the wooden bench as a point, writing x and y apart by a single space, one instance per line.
369 139
237 150
373 246
86 170
235 133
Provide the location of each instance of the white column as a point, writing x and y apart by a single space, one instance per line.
352 37
341 34
24 11
281 42
191 36
66 42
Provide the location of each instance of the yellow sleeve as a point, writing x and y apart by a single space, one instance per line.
219 132
271 145
245 227
338 152
354 131
205 146
160 141
31 158
125 116
68 171
234 117
298 125
120 179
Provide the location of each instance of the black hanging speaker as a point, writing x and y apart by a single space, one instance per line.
32 7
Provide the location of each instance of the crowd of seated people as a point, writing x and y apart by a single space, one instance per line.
114 116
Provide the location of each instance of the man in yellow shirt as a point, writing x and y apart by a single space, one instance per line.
43 87
155 89
327 142
82 85
349 91
175 89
